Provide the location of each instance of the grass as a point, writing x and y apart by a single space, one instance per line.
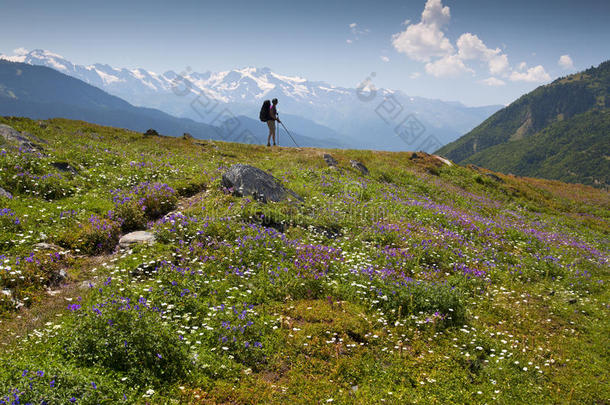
421 282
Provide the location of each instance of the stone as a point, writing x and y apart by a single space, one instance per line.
46 246
187 136
246 180
494 177
21 140
5 194
330 161
442 159
151 132
64 167
360 167
136 237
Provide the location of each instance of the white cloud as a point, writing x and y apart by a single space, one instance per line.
448 66
425 41
435 14
470 46
422 42
356 32
20 51
566 62
534 74
385 58
493 81
414 75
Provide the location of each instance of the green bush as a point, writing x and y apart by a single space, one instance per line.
95 236
128 337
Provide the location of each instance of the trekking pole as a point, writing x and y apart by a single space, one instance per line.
277 131
289 134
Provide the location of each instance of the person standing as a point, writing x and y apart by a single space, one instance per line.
271 123
269 115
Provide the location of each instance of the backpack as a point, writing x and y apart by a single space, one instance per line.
264 114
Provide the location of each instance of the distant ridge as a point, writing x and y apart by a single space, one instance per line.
41 92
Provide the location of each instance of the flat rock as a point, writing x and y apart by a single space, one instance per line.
442 159
21 140
360 167
5 194
330 161
136 237
46 246
246 180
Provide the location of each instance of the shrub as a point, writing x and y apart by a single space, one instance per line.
96 235
127 336
23 280
144 202
9 220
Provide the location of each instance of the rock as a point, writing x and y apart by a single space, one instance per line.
330 161
151 132
187 136
442 159
360 167
21 140
494 177
414 156
58 277
246 180
136 237
64 167
5 194
46 246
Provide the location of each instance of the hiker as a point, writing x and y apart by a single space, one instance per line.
269 115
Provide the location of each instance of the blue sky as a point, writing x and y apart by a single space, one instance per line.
477 52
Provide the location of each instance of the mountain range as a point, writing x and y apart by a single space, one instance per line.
41 92
558 131
359 117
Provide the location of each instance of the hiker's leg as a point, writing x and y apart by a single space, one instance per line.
271 125
271 132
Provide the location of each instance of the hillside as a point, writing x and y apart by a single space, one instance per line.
558 131
417 282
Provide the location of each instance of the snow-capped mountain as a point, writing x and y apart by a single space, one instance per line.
363 121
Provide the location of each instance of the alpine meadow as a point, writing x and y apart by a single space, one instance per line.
351 202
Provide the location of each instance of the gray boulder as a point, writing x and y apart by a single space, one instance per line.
21 140
136 237
64 167
360 167
330 161
246 180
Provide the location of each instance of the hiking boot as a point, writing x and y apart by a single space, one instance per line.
268 145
